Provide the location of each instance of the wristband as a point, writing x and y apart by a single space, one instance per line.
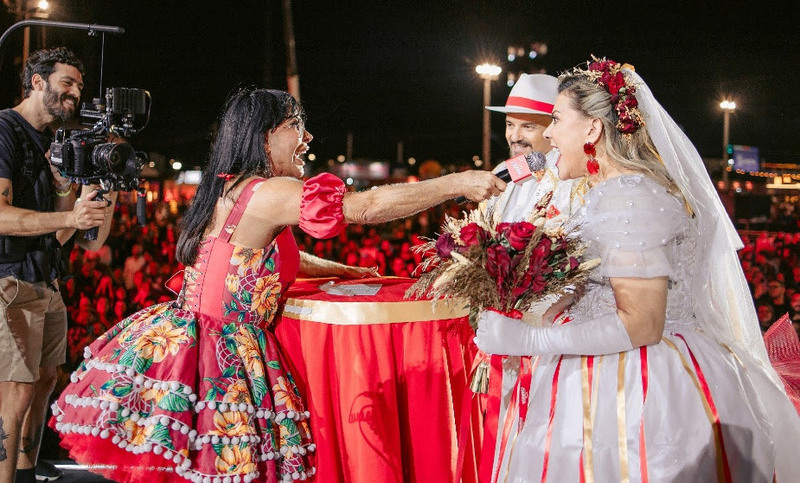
64 194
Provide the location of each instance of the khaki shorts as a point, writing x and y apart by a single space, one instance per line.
33 329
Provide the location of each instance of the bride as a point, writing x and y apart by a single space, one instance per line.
657 372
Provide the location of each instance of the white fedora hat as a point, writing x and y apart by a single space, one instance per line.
532 94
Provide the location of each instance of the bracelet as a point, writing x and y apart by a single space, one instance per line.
64 194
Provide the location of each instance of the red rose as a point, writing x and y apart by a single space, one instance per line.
542 250
628 127
445 245
498 263
630 101
538 284
615 82
504 228
472 234
520 234
559 245
538 270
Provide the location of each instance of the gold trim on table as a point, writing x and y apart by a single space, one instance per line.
369 313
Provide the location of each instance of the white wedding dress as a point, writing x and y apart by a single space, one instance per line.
688 409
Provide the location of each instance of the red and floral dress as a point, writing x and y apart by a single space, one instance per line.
197 388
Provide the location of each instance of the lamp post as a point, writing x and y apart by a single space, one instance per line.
727 107
487 72
30 9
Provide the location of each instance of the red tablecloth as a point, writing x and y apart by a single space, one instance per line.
384 379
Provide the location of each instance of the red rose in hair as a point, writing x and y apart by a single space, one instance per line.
472 234
520 235
627 127
615 82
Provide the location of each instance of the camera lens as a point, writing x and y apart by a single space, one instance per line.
111 157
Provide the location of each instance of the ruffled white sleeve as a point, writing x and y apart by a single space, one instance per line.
632 223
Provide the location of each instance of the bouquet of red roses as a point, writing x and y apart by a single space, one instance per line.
504 266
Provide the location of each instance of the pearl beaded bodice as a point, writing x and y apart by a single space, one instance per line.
638 230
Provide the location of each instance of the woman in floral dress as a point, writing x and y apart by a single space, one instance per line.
197 388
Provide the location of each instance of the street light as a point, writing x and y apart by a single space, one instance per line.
487 72
30 9
727 107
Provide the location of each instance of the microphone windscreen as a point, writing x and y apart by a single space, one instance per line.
536 161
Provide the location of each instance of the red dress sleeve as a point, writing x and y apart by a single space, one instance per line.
321 214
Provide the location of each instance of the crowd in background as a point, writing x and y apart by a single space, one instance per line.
133 270
137 266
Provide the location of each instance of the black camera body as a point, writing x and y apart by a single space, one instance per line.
89 156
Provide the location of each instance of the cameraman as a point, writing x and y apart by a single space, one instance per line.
36 204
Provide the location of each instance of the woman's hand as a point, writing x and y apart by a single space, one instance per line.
480 185
312 266
348 271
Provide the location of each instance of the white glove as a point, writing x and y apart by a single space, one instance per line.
498 334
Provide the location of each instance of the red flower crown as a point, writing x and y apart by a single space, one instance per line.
608 74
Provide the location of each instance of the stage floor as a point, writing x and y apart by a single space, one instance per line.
74 473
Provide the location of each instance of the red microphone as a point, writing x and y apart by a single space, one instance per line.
518 169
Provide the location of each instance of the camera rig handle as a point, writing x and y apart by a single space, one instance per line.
91 233
141 207
141 210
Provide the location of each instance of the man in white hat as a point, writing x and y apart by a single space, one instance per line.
528 109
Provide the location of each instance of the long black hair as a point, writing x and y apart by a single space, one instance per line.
239 150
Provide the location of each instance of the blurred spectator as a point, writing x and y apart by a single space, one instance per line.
794 305
776 297
133 264
766 315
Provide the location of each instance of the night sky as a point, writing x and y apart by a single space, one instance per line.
404 71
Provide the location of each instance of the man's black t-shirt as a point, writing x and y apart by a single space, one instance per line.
11 159
32 183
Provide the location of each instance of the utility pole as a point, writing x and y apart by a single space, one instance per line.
727 107
488 73
292 77
399 153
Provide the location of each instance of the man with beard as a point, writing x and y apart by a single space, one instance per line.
528 112
38 211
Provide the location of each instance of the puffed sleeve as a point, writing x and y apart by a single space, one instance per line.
634 222
321 214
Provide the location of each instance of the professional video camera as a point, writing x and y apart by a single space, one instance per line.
89 156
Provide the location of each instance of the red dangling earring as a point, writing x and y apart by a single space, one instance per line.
592 166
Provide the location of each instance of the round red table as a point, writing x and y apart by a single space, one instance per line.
385 380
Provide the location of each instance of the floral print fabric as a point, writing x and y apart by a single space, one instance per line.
206 396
